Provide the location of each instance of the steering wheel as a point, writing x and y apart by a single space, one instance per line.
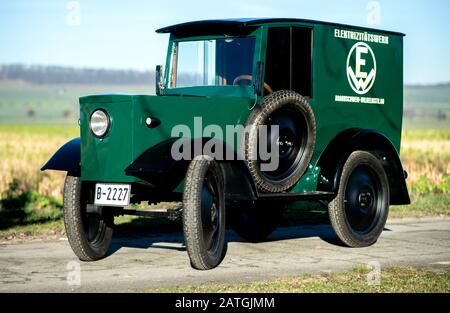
236 81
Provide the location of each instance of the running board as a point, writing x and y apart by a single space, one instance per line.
297 196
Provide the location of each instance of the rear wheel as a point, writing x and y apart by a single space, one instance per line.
89 234
358 213
255 221
204 213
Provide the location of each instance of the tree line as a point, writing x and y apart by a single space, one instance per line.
42 74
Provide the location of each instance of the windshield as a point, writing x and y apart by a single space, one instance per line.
216 62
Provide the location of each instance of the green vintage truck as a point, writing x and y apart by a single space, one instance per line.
250 116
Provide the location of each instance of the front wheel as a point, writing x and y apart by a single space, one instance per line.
204 213
89 234
359 211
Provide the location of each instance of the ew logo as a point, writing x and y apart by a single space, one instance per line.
361 55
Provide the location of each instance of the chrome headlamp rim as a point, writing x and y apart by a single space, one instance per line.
108 123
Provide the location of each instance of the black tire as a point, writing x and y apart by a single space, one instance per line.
204 213
359 212
255 221
296 140
89 234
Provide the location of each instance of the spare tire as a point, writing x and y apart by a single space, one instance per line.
295 140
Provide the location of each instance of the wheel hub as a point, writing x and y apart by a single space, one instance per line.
362 195
213 213
285 144
365 199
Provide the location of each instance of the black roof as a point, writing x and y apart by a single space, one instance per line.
253 22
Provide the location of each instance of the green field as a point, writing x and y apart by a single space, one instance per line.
427 107
22 102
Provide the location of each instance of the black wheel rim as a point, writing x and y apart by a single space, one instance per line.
93 224
210 213
291 141
363 200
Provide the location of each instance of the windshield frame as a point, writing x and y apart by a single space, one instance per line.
246 91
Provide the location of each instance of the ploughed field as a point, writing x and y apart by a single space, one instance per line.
24 149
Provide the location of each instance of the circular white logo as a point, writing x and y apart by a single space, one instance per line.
361 68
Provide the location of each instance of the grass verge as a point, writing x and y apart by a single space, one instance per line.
393 279
44 230
423 206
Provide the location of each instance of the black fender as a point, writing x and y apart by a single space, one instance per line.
239 183
157 167
334 156
67 158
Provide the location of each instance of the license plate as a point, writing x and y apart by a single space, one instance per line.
112 194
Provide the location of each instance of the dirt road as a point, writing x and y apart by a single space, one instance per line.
140 263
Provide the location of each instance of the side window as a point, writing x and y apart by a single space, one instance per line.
302 61
289 59
278 63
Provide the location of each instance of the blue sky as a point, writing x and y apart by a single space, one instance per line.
120 34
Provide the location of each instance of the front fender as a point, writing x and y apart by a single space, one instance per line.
157 167
67 158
